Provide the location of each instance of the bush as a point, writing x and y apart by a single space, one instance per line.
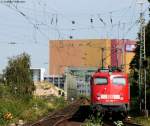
18 76
13 108
27 110
94 121
4 91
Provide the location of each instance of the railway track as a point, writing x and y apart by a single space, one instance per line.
51 121
59 117
68 122
73 115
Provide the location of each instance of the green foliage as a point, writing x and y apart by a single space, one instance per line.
148 97
142 120
83 96
59 102
147 38
35 108
10 105
4 91
18 75
118 123
27 110
134 66
94 121
134 107
135 61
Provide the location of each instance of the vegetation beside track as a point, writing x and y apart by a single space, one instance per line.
17 101
13 109
142 120
94 120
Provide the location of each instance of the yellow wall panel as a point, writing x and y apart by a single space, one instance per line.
81 53
128 58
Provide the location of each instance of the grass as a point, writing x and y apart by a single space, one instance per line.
13 109
94 121
142 120
28 110
137 114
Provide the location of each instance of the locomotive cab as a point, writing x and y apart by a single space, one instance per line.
110 91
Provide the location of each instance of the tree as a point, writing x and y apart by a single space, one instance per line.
18 75
134 64
147 39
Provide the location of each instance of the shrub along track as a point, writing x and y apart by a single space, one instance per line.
128 123
125 123
63 116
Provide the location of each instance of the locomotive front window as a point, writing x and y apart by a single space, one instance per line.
119 80
100 81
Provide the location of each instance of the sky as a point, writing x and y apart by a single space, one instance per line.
28 27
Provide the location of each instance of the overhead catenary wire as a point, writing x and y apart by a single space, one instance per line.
14 7
77 27
29 21
100 24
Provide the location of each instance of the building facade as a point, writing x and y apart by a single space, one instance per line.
57 80
77 82
38 74
89 53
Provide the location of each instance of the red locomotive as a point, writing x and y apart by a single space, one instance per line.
110 91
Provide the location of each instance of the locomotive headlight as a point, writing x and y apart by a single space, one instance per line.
121 98
98 98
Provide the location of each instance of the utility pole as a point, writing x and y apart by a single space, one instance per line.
123 57
142 71
123 51
145 74
102 57
141 45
